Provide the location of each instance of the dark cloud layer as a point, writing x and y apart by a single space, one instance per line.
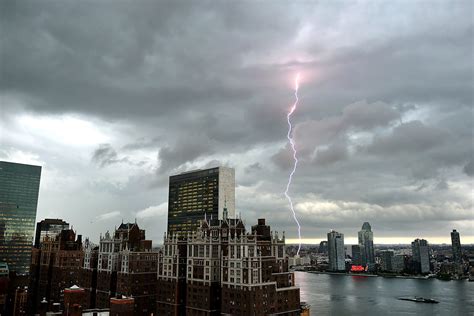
144 90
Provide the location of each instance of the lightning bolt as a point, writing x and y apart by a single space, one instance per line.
295 158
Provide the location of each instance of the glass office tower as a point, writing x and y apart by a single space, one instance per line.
19 186
199 193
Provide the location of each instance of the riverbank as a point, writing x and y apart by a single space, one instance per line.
417 277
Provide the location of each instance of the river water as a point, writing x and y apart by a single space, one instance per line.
355 295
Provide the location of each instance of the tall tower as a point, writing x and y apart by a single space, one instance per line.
19 189
199 193
336 251
421 255
456 246
366 243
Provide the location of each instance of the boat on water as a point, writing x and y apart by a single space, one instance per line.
418 299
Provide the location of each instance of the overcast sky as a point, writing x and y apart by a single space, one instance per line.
112 97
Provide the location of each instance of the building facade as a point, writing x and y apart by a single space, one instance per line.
48 227
336 251
387 258
226 271
398 263
54 267
456 247
366 244
126 265
356 255
192 195
19 189
421 255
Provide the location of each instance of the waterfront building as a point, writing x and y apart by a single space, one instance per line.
336 251
48 227
221 269
366 244
421 255
456 246
387 258
299 261
19 189
356 255
196 194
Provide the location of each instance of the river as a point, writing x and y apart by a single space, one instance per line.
356 295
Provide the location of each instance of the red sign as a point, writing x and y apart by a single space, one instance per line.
357 268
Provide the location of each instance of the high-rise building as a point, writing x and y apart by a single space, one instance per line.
387 257
421 255
127 266
49 227
196 194
19 188
221 269
456 246
356 255
336 251
366 243
398 263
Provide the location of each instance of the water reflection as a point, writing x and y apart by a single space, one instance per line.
358 295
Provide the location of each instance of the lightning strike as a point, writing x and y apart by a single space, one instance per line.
295 158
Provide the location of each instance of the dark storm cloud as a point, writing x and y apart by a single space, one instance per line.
469 168
384 122
106 155
185 150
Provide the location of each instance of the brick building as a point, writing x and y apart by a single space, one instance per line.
54 267
89 273
127 266
223 269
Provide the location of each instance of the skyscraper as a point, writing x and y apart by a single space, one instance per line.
387 258
421 255
196 194
49 227
366 243
336 251
356 255
456 245
19 188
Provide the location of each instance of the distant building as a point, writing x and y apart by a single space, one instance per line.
356 255
221 269
196 194
19 187
336 251
456 246
366 243
323 247
48 227
387 258
421 255
398 263
299 261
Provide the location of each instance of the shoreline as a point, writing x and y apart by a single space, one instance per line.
374 275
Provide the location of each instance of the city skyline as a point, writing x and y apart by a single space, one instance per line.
111 109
